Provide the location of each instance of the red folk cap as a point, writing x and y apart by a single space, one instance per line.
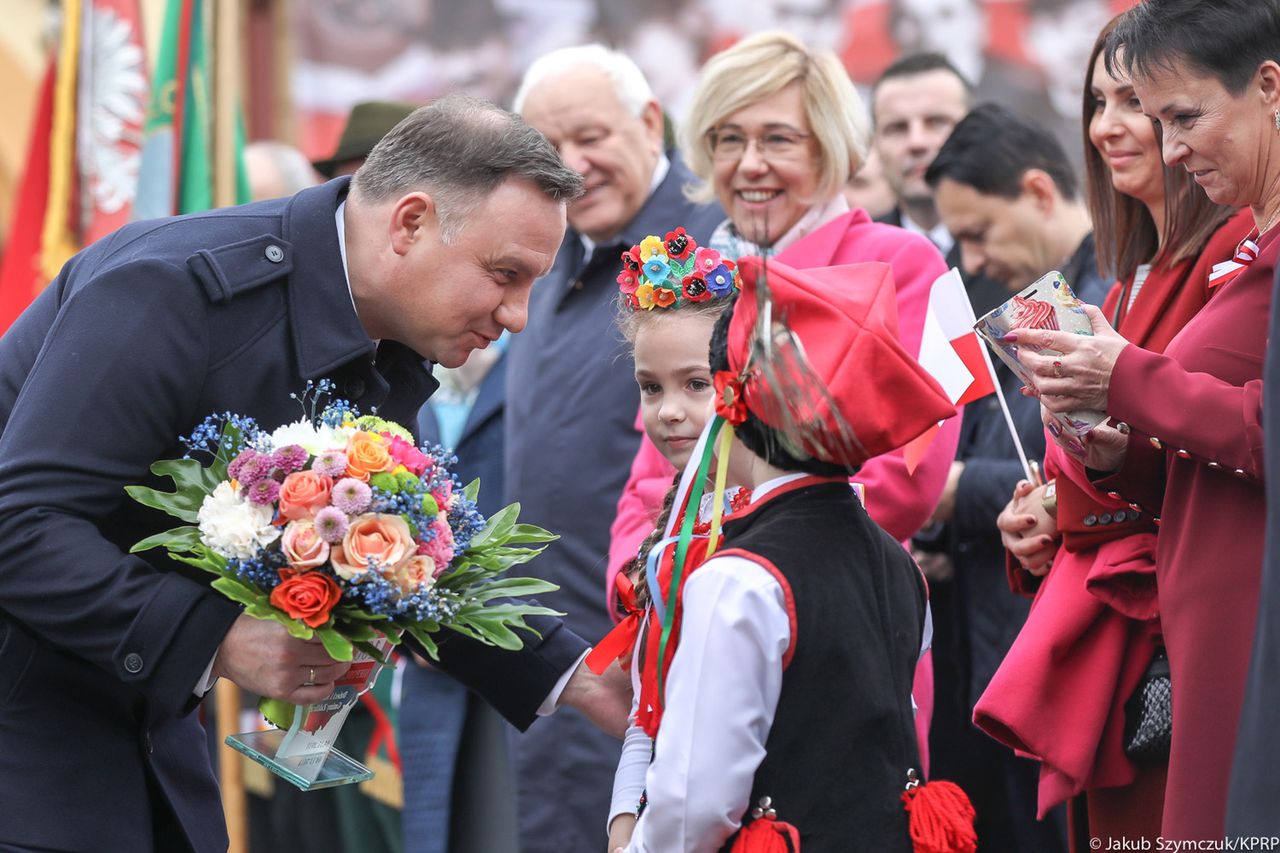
841 387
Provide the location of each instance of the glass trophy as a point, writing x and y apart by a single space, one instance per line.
304 755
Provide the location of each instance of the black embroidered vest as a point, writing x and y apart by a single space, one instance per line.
843 736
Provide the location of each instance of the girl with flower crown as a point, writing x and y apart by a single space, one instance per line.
671 290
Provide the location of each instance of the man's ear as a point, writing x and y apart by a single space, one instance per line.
1039 187
413 218
654 125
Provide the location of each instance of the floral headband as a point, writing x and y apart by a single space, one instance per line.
673 270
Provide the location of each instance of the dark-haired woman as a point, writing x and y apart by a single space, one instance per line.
1188 449
1162 235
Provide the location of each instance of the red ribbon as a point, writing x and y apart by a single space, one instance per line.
619 643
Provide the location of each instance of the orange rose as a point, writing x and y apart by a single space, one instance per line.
302 546
308 596
417 571
384 539
367 453
303 494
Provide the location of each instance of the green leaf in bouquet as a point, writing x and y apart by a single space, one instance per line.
527 533
192 483
240 592
496 633
352 613
425 639
184 538
338 646
277 712
204 559
498 525
372 651
357 632
472 490
513 587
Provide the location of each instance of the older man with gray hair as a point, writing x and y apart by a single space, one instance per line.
572 397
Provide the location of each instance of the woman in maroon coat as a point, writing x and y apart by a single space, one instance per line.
1186 445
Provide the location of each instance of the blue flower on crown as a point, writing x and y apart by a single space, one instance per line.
720 280
657 269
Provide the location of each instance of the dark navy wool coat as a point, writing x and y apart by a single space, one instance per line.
139 338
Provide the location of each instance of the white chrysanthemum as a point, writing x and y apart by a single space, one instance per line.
315 440
232 526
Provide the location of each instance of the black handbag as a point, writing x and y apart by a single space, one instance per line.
1148 714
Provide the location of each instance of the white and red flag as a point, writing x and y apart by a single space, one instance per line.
951 351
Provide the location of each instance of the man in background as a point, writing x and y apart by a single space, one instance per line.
572 397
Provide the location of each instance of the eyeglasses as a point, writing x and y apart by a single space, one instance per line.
727 144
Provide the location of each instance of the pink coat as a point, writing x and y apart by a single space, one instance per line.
899 502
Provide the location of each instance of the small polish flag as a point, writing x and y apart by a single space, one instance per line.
951 352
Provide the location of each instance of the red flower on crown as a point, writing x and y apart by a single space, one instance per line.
730 404
679 244
695 287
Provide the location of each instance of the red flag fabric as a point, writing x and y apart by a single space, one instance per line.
20 274
951 352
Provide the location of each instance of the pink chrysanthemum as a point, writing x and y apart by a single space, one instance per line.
264 492
331 462
331 524
351 496
289 458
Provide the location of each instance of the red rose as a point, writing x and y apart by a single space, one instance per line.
308 596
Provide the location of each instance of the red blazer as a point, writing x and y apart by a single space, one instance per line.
1059 695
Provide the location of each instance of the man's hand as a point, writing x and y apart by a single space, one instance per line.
260 656
936 566
1028 532
604 699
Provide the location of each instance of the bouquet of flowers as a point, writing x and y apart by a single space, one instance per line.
338 527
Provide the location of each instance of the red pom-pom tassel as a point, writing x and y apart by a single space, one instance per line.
767 835
941 817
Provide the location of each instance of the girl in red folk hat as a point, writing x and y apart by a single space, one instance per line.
786 642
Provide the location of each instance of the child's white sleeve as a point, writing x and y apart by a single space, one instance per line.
721 695
628 779
637 749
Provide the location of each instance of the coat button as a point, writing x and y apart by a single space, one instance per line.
1183 454
1155 519
1239 472
1115 496
1215 465
133 663
354 389
1090 520
146 742
1122 427
577 285
1135 508
1156 443
274 253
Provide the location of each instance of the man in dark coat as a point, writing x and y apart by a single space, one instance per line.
428 253
572 397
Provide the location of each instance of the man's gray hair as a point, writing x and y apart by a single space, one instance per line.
628 80
459 149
